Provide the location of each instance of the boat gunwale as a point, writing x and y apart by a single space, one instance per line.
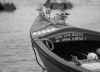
59 29
69 29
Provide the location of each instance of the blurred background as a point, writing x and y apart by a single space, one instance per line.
16 53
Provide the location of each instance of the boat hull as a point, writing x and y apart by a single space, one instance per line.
50 64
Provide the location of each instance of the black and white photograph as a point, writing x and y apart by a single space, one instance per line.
49 35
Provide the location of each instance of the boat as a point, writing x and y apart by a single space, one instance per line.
62 47
7 7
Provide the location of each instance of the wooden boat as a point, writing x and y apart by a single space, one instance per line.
64 48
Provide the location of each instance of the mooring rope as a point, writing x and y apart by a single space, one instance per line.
43 69
48 44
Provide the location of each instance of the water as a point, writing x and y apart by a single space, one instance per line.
16 53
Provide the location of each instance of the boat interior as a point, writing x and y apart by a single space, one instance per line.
79 48
75 48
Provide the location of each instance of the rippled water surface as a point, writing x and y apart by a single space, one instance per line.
16 54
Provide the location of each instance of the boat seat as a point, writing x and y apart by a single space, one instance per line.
92 66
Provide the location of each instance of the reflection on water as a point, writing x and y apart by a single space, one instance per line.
16 54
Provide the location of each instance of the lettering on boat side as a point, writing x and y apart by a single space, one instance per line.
71 36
